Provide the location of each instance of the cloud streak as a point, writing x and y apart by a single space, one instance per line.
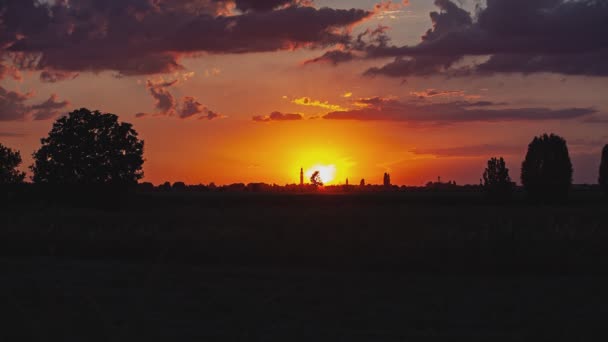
167 105
383 109
308 102
14 107
277 116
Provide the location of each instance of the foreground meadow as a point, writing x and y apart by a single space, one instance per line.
251 267
406 232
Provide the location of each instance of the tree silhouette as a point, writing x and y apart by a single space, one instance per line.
546 172
362 182
496 180
9 161
603 180
89 148
315 179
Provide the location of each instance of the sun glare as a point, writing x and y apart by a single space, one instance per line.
326 172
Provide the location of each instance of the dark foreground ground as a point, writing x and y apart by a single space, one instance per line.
51 300
392 267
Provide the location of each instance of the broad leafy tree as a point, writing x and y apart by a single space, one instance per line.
604 170
496 180
89 148
547 170
9 161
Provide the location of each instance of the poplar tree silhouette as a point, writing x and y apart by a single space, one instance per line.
603 180
546 172
9 161
496 181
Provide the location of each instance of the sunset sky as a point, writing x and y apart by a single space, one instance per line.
246 91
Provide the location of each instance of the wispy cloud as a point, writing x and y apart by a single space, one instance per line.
390 109
307 101
277 116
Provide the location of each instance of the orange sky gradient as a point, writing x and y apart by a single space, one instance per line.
233 148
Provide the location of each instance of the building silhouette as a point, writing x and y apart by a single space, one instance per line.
301 176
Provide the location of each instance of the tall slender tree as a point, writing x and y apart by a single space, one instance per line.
496 180
546 172
603 180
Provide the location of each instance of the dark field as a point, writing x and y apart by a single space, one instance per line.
247 267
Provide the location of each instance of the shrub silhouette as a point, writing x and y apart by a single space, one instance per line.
179 186
9 161
89 149
496 181
546 172
603 180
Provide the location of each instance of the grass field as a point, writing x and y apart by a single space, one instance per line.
58 300
418 232
252 267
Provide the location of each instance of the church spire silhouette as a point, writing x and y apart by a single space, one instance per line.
301 176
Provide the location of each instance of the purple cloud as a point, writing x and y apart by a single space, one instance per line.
13 107
519 36
277 116
382 109
135 37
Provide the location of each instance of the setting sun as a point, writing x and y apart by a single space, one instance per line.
326 172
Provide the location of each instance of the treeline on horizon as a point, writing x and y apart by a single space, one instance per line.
92 152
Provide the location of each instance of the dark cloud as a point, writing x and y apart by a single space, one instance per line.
49 108
352 49
277 116
134 37
13 107
53 77
587 64
381 109
519 36
191 107
167 105
209 115
163 99
266 5
334 57
423 94
418 66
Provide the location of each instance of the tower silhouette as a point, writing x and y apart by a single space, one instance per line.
387 179
301 176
